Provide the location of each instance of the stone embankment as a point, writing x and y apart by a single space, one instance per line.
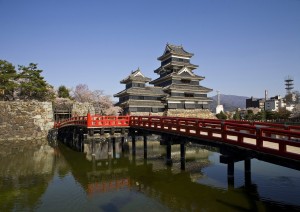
20 120
197 113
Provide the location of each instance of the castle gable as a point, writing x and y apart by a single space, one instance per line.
185 72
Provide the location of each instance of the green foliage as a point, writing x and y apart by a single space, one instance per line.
63 92
283 113
270 115
221 115
237 115
260 116
249 115
8 76
33 85
27 84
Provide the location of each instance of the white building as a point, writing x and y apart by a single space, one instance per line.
274 103
219 109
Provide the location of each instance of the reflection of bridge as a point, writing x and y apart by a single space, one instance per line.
113 174
237 140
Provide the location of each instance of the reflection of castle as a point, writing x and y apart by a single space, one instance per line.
174 189
176 88
151 178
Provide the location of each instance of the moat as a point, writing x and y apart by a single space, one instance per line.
53 177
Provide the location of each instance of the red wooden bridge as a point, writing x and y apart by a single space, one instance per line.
263 137
94 121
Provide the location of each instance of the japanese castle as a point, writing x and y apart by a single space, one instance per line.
177 89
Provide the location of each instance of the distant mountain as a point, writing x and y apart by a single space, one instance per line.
229 102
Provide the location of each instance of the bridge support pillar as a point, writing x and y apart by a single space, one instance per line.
229 160
122 144
93 147
168 148
182 156
230 173
145 146
247 168
108 147
113 139
133 145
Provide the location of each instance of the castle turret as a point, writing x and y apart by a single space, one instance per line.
179 82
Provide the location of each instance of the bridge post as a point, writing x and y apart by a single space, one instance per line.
182 155
145 146
223 130
133 139
229 160
122 143
108 146
113 139
247 168
91 133
230 173
93 147
259 142
168 148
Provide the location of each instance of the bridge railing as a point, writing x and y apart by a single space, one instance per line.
76 120
94 121
264 137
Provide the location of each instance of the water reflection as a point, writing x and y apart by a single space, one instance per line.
43 178
24 175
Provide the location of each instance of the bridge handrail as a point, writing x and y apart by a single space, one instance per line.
264 137
93 121
107 121
75 120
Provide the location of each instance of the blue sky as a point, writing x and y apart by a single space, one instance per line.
242 47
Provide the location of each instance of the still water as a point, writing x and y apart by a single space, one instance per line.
56 178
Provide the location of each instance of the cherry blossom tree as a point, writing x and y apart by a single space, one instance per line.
103 104
82 93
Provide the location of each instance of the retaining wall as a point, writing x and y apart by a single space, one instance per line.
20 120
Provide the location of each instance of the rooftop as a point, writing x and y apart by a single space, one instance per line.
149 91
177 50
136 76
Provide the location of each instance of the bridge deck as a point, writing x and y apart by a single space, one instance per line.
275 139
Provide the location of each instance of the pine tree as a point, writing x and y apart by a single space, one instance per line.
8 76
33 85
221 115
63 92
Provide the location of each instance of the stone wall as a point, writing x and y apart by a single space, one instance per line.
25 120
145 114
196 113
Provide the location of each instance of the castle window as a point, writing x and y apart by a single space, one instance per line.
185 81
154 110
188 95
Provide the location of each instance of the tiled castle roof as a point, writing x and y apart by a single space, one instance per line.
149 91
136 76
177 50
